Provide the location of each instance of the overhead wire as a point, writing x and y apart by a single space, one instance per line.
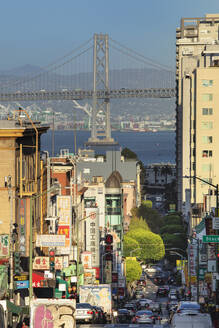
50 66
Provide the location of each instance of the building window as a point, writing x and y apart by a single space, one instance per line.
207 111
207 153
207 139
207 125
207 83
207 97
206 167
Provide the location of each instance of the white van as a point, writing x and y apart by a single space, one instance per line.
193 320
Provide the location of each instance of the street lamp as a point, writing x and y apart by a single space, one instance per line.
210 184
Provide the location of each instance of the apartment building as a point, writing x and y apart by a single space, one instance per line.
197 127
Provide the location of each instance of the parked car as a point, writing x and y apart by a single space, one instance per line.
85 313
185 320
144 316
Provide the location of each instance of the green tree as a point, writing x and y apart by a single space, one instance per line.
133 271
175 241
151 244
172 228
129 245
137 223
172 219
148 203
152 217
129 154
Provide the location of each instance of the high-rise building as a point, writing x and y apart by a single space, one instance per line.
197 102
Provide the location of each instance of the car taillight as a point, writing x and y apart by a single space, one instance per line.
96 312
137 317
89 312
152 317
178 311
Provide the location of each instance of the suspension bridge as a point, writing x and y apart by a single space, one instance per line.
93 71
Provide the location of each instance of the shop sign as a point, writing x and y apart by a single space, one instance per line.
86 259
21 278
212 266
211 251
215 223
42 263
50 240
64 212
22 284
202 272
22 226
92 234
89 276
4 245
192 256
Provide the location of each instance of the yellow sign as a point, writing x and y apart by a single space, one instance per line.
131 258
193 279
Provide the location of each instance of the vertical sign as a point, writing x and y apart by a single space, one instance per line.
22 226
192 260
92 234
4 245
64 212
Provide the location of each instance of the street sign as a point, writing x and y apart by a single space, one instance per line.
210 239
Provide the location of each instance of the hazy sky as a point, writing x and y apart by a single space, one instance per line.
38 31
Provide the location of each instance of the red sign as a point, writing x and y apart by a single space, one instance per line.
64 230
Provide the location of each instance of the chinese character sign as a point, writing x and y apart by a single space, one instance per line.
4 245
22 226
92 234
86 259
64 212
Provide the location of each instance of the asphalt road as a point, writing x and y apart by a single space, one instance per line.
149 292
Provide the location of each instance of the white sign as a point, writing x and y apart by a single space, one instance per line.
64 212
215 223
92 234
50 240
86 259
212 266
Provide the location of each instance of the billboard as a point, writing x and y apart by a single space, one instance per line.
92 234
50 240
64 212
46 313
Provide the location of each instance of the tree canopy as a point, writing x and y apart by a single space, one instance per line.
130 247
133 270
137 223
152 217
151 244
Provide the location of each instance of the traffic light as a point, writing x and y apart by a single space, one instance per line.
17 263
52 260
109 239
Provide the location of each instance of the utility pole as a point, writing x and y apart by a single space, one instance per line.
10 196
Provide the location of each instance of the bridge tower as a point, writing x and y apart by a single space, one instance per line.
101 129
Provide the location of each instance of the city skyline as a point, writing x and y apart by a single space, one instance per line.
38 33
